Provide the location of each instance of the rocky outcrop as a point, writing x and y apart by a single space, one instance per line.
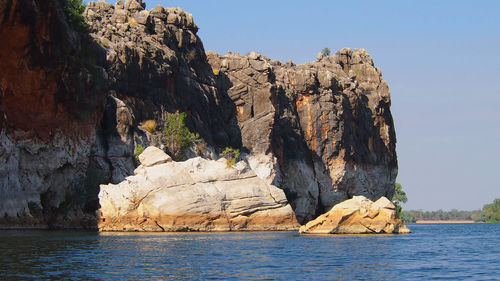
326 125
72 105
155 64
195 195
358 215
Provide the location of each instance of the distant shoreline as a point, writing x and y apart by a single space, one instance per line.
445 221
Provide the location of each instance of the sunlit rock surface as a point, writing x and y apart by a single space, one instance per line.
194 195
358 215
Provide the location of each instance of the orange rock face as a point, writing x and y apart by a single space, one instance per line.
38 93
48 113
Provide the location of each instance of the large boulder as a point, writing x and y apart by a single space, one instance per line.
152 155
358 215
195 195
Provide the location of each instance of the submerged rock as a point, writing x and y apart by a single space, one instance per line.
358 215
195 195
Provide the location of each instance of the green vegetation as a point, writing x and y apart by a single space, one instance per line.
358 71
176 136
398 198
138 150
326 52
491 212
231 156
414 215
74 12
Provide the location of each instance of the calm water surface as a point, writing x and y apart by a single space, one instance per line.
447 251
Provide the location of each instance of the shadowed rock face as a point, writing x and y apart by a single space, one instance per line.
49 108
71 105
155 63
327 123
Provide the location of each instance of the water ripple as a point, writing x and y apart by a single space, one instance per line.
449 252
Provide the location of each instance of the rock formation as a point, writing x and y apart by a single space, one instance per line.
195 195
72 105
50 106
358 215
326 125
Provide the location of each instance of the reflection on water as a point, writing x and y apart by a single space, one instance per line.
432 251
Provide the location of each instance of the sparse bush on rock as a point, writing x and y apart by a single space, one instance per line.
399 197
138 150
231 156
326 52
176 136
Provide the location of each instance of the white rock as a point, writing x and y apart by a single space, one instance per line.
195 195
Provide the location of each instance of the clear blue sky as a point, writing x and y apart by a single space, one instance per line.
440 58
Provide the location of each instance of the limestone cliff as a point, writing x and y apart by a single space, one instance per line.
71 105
50 106
326 125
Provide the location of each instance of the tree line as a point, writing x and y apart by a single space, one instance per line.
489 213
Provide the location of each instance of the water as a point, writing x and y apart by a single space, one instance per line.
450 251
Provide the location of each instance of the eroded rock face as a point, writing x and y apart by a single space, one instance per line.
358 215
71 103
326 124
49 108
195 195
71 106
155 63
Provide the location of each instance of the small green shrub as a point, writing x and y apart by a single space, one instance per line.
74 12
138 150
326 52
398 198
357 71
231 156
176 136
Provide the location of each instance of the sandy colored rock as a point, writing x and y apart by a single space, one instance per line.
358 215
153 156
195 195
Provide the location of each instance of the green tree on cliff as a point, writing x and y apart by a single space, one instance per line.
74 12
176 136
399 197
326 52
491 212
